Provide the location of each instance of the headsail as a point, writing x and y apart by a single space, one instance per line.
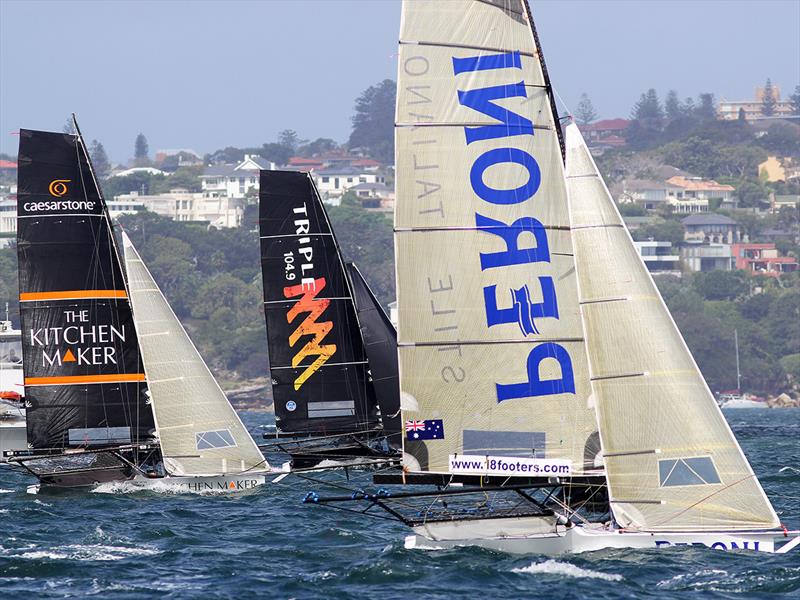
199 431
491 351
380 343
672 462
84 381
317 361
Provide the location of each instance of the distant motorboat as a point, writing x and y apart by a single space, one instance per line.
12 409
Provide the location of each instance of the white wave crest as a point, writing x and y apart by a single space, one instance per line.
790 469
5 491
89 552
554 567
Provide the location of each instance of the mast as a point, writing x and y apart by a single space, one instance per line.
738 372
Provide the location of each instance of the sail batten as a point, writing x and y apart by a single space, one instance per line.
695 473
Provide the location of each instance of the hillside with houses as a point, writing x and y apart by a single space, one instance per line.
709 190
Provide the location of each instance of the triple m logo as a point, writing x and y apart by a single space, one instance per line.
314 306
58 187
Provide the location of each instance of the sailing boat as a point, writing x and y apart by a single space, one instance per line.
545 389
327 403
95 381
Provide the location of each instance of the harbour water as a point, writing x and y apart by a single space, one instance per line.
115 543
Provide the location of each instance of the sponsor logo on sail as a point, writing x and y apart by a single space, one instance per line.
510 239
58 187
78 341
301 263
507 465
313 307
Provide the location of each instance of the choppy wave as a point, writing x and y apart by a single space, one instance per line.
87 552
554 567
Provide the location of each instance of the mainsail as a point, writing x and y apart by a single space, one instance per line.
199 431
491 352
318 365
380 343
84 381
671 460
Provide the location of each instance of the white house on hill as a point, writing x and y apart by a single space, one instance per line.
234 181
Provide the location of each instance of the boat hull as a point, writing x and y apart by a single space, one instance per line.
505 537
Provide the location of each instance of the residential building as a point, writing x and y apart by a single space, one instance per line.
234 181
634 223
7 165
333 183
124 206
378 196
8 216
693 194
658 256
707 257
779 201
711 229
605 130
175 159
777 168
762 259
647 193
181 205
729 110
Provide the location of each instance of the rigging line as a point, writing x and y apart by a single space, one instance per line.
712 494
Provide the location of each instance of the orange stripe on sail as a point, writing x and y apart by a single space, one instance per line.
72 295
75 379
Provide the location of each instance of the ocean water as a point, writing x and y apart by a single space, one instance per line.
268 544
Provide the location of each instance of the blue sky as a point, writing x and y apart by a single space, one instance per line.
208 74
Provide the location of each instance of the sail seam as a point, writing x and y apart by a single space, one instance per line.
460 124
295 300
57 215
291 235
487 342
327 364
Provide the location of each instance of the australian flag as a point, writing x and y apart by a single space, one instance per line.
430 429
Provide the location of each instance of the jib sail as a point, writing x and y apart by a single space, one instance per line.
84 381
317 361
380 343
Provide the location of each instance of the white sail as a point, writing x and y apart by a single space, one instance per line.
492 360
200 432
671 460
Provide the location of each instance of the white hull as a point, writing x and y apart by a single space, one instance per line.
209 484
739 403
541 537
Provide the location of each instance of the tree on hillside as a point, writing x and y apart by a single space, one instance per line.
69 126
318 146
688 106
672 106
140 151
373 121
584 112
99 159
707 109
290 139
276 152
795 100
768 101
648 110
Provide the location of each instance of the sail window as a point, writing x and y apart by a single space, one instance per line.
208 440
698 470
99 436
506 443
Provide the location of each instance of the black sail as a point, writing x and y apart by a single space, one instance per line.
380 342
84 380
318 365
